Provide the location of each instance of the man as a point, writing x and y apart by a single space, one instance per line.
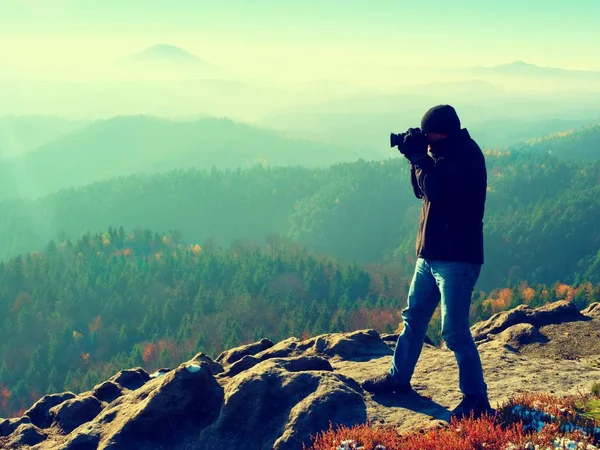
452 183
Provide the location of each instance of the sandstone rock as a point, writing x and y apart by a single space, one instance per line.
8 426
39 413
83 441
247 362
131 379
552 313
230 356
26 434
285 406
592 311
356 345
519 335
393 338
72 413
215 367
107 391
161 409
280 396
292 364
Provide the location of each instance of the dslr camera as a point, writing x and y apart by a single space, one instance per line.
400 141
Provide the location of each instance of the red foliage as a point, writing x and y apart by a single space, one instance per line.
149 354
375 318
506 430
96 324
464 435
5 394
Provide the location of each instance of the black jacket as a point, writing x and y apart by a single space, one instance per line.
452 183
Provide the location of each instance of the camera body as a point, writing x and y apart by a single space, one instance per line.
406 142
397 140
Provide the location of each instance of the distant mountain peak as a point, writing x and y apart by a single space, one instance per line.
161 53
167 51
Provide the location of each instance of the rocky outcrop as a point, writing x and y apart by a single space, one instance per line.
553 313
519 335
277 395
592 311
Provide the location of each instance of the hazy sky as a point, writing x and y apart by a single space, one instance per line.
334 34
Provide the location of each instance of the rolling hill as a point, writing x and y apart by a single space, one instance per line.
582 143
22 134
127 145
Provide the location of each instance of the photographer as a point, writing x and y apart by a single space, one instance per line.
451 180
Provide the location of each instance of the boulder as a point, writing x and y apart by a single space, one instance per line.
160 411
8 426
39 413
287 407
519 335
228 357
26 434
215 367
356 345
83 441
74 412
131 379
107 391
592 311
552 313
392 338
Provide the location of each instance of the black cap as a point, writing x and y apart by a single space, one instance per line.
441 119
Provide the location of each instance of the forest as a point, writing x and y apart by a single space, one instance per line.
540 224
75 313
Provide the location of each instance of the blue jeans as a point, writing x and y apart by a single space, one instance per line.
452 283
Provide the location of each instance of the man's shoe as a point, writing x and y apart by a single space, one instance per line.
384 384
475 405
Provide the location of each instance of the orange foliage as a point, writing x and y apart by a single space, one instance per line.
376 318
5 394
149 353
502 301
85 357
528 294
196 249
21 299
96 324
565 292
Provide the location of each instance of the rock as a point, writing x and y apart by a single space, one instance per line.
39 413
72 413
393 338
247 362
8 426
215 367
228 357
83 441
592 311
519 335
160 372
356 345
552 313
286 406
282 395
107 391
131 379
26 434
162 409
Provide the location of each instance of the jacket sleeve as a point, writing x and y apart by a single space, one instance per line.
413 181
443 178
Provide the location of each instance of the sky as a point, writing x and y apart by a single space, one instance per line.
303 36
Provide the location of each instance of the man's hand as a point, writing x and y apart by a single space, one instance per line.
415 145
